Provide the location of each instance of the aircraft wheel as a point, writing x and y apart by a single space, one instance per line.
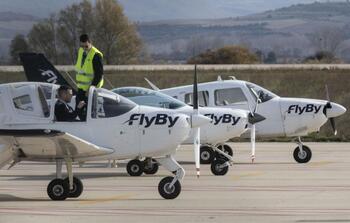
304 156
217 168
58 190
166 191
206 155
77 187
226 149
135 167
153 169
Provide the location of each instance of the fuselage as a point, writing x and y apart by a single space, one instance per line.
113 122
226 123
284 116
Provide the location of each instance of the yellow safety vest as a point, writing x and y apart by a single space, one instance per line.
85 72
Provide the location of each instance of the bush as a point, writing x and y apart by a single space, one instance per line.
225 55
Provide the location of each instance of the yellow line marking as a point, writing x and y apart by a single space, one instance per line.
253 174
114 198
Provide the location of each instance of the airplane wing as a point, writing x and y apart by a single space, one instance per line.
46 145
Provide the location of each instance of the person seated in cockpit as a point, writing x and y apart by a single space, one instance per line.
64 112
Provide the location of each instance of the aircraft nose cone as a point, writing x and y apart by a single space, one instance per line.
199 120
336 110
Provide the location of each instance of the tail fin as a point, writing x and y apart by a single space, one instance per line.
38 69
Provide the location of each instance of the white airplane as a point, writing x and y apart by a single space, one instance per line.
225 124
285 117
116 128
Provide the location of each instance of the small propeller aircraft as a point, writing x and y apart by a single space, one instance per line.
225 123
285 117
29 132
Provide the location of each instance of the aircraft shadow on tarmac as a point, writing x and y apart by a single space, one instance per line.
7 198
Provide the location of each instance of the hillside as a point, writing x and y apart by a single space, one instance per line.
286 31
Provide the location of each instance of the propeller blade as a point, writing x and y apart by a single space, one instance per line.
252 140
331 120
195 89
197 149
255 118
196 140
327 93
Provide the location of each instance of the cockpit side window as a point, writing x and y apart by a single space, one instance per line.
109 105
23 102
229 96
203 98
260 93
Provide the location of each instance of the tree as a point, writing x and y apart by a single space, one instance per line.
322 57
43 38
327 39
115 35
271 58
225 55
108 27
73 21
18 44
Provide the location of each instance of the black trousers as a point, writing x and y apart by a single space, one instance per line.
81 97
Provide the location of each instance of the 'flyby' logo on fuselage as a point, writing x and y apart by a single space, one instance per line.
225 119
309 108
159 119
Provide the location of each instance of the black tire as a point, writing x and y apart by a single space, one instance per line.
302 157
165 191
58 190
77 187
151 170
216 169
226 149
206 155
135 168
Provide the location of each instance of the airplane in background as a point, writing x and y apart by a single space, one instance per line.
115 128
225 124
285 117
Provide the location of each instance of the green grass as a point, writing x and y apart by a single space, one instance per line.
290 83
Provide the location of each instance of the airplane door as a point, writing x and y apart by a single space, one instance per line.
109 116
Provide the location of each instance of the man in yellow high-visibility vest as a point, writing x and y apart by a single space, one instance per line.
89 68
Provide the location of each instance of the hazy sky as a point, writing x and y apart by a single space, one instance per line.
146 10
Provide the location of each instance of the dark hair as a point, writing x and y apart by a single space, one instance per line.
62 89
84 38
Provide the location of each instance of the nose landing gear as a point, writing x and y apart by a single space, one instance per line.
302 153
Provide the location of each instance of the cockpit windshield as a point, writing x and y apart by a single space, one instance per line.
106 104
144 96
260 93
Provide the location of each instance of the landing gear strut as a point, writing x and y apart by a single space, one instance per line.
60 189
136 167
302 153
170 187
220 158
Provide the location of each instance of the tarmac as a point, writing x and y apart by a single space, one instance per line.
273 189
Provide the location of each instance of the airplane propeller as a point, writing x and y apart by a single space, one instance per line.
252 119
197 120
329 106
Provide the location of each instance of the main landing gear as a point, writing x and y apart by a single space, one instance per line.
220 158
61 189
170 187
136 167
302 153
